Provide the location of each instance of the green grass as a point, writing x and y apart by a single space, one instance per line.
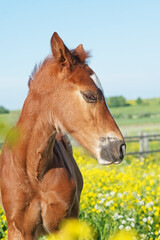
10 118
137 111
7 121
133 118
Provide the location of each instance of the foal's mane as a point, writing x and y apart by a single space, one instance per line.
79 56
39 67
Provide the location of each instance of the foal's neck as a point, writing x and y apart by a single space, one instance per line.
39 136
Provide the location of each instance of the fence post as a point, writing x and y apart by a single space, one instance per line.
141 145
146 143
125 134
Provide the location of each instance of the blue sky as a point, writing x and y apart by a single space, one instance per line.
123 36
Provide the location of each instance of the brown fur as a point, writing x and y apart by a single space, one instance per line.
39 178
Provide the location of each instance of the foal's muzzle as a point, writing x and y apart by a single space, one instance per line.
112 152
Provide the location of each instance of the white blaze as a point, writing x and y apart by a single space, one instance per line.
96 81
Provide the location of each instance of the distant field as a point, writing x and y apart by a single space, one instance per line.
10 118
145 117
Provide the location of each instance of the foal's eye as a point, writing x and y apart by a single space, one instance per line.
89 96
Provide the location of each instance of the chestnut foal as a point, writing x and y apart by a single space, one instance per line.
39 178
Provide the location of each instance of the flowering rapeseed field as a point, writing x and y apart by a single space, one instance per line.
123 198
3 226
126 196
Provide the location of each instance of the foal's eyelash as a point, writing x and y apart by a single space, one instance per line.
89 96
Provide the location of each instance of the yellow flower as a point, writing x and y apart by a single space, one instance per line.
124 235
156 233
73 230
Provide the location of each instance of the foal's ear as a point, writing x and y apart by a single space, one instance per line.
82 54
60 51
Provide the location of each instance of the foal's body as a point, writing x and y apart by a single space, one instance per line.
39 178
44 196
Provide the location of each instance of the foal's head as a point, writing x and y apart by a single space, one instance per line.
75 102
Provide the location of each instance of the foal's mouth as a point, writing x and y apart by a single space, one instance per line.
109 162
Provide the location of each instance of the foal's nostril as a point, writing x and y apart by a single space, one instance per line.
122 150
